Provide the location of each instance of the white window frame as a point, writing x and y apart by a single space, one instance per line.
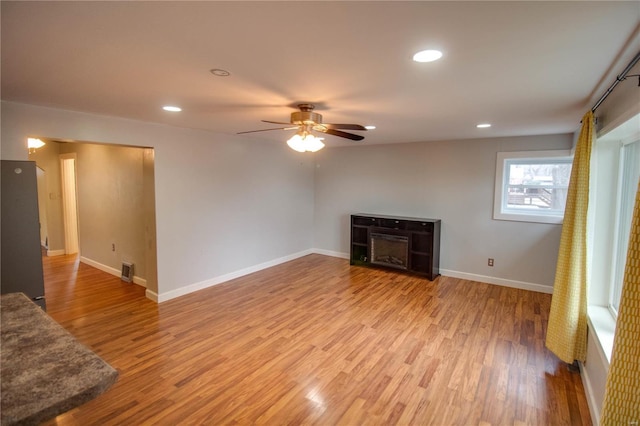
603 239
626 182
500 209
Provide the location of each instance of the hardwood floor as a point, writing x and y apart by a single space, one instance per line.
315 341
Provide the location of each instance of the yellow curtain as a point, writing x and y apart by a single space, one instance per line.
567 330
622 394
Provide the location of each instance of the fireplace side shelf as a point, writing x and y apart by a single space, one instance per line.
422 242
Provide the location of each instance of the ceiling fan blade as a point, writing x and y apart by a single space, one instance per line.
266 130
275 122
344 134
344 126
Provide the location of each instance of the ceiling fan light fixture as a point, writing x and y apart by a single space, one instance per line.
370 127
427 56
313 144
305 121
305 142
296 143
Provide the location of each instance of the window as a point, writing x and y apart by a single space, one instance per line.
615 180
532 186
626 194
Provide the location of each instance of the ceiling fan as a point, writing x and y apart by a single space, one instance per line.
306 120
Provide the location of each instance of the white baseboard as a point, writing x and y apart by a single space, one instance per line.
55 252
190 288
140 281
113 271
151 295
331 253
522 285
163 297
464 275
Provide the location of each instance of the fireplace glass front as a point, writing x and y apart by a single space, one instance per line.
390 250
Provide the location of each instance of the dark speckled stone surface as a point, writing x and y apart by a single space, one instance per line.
44 370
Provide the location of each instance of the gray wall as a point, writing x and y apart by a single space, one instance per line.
226 203
452 181
223 203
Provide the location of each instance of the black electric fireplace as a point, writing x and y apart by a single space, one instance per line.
390 250
403 243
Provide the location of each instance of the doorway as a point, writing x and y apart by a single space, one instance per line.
100 203
69 203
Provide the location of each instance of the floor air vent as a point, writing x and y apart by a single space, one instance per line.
127 272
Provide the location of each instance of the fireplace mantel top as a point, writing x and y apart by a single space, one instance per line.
380 216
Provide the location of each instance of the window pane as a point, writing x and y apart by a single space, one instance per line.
531 186
630 173
538 186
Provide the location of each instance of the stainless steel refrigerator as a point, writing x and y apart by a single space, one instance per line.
21 268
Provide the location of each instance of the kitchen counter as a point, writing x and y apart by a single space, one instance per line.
44 370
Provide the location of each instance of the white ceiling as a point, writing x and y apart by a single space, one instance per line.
528 68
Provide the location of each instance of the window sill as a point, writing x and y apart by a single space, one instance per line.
528 217
604 326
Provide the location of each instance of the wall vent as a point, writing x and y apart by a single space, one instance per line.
127 272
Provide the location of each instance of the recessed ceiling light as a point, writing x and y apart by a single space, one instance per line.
483 125
427 56
171 108
370 127
220 72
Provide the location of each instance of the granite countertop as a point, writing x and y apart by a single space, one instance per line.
44 370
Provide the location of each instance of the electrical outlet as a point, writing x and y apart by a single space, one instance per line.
113 246
490 262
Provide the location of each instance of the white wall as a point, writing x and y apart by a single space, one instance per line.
223 203
452 181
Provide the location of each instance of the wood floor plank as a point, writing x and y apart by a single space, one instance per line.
317 341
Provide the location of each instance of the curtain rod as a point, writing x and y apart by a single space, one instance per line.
618 80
